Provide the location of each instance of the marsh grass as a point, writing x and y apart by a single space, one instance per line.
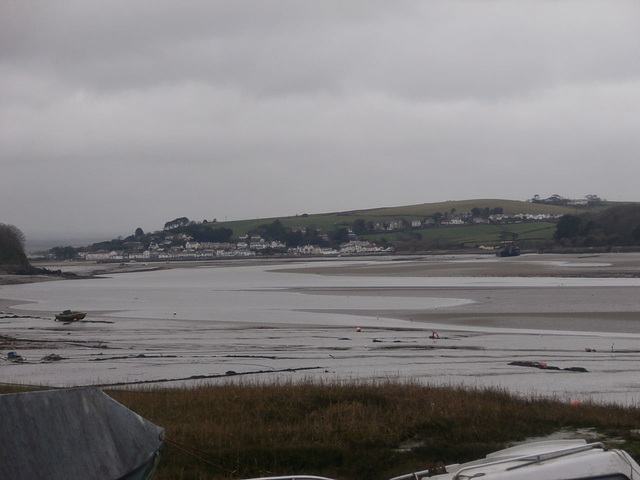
356 430
351 431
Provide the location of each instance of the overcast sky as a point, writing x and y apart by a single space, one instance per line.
118 114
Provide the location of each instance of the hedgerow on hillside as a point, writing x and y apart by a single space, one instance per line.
616 226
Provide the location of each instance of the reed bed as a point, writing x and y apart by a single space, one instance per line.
357 430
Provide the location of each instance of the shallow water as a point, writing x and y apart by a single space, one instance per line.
233 294
263 294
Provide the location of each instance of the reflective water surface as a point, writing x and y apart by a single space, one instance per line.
264 294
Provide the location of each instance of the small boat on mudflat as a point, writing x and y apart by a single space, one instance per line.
70 316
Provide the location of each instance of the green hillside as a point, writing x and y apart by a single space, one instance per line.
329 221
442 226
472 235
460 206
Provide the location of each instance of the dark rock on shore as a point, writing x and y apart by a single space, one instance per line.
544 366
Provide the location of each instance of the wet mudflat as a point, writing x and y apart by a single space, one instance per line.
227 322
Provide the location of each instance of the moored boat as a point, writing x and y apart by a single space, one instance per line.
70 316
508 249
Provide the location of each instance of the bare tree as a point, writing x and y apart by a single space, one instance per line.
11 236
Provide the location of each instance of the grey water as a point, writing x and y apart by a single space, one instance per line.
264 294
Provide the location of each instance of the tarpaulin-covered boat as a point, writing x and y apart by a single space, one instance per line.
75 434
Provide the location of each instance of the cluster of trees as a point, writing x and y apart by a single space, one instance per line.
486 212
555 199
177 223
12 247
616 226
276 231
63 253
206 233
200 232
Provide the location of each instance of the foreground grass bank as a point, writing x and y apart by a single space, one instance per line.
352 431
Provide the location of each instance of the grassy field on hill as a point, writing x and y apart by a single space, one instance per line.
329 221
473 235
460 206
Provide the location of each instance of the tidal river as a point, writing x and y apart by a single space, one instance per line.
342 319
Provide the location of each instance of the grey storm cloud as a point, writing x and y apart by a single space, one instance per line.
118 114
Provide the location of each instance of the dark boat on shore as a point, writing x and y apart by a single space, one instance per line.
508 250
70 316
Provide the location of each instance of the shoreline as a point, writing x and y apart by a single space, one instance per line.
618 265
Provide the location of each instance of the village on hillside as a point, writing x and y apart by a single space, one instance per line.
174 243
246 247
369 232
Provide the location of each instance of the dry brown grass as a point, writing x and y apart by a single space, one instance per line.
350 431
356 430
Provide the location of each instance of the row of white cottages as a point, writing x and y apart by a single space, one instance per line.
240 249
466 218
